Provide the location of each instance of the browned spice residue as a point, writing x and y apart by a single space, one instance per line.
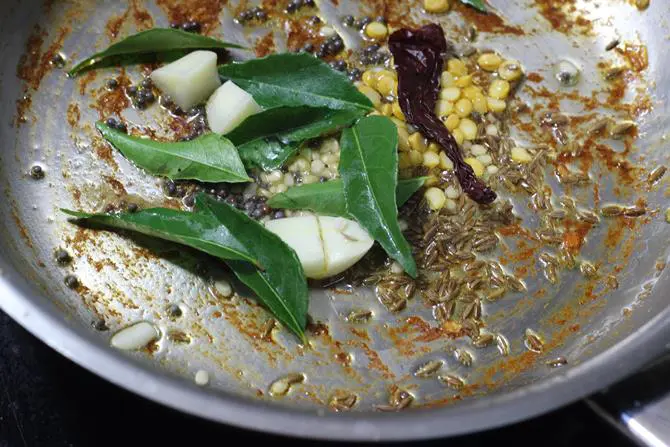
23 105
265 45
488 23
414 330
374 361
34 66
73 114
298 34
104 151
143 19
113 102
116 185
85 80
30 60
22 229
141 16
564 16
115 23
205 12
617 162
636 55
317 328
396 12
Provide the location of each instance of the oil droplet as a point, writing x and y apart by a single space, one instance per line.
567 73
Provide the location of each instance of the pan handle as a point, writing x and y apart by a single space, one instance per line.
640 405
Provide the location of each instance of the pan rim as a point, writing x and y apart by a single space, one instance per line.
182 395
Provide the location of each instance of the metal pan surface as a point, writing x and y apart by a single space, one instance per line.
593 330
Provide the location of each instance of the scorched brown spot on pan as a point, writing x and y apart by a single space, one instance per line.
204 13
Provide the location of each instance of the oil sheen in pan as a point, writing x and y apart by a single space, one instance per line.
124 281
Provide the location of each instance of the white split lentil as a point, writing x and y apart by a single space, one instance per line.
376 30
489 61
464 81
396 268
479 104
273 176
397 111
445 162
201 378
458 136
510 70
447 80
499 89
463 107
451 192
386 85
485 159
308 179
457 67
435 198
496 105
403 139
431 159
444 108
418 142
223 288
318 166
476 166
436 6
469 128
415 157
477 150
450 94
452 121
372 94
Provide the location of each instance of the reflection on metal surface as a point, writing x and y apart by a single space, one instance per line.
640 405
647 436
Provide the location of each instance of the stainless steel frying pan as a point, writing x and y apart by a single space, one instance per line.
47 120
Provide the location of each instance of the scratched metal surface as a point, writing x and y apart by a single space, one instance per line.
129 280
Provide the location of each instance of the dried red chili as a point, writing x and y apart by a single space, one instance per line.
418 56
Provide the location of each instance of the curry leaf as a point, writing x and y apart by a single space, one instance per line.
267 153
369 171
477 4
154 43
269 138
258 257
209 158
328 198
281 284
293 80
200 231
